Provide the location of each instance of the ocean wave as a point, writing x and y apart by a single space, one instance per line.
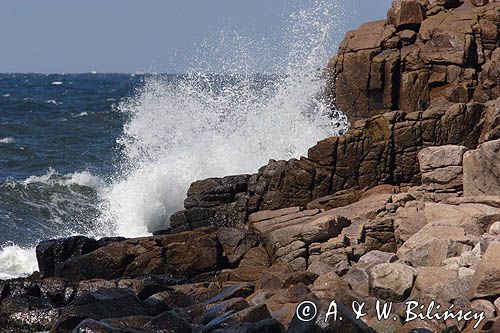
48 206
16 261
56 83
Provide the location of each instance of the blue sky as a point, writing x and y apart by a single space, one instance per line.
54 36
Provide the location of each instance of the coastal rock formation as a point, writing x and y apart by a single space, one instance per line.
422 56
404 206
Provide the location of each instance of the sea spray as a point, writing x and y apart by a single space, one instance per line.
208 126
16 261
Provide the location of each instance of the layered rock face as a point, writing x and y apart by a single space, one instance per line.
423 56
404 206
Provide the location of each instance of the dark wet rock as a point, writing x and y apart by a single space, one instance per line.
253 314
216 310
102 304
263 326
168 322
50 254
131 324
179 255
213 202
236 290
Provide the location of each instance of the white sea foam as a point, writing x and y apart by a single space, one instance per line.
7 140
180 132
84 178
16 261
56 83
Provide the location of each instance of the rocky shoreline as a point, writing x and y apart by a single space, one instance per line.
404 206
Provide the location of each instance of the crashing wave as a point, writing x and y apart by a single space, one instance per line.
210 126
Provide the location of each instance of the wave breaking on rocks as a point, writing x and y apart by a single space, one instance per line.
403 207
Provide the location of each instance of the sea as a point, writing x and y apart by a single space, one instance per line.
114 154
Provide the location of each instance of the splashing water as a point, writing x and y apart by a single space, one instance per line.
208 126
16 261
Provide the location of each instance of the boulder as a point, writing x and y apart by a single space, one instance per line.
482 170
105 303
233 304
130 324
497 305
434 243
288 240
329 285
241 274
50 254
283 303
409 220
484 306
430 282
182 255
235 290
373 258
486 280
392 281
329 256
406 14
441 169
236 242
256 256
253 314
168 322
213 202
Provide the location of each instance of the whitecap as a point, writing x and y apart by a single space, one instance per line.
6 95
7 140
52 177
56 83
52 101
82 114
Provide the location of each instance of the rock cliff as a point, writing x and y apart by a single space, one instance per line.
404 206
